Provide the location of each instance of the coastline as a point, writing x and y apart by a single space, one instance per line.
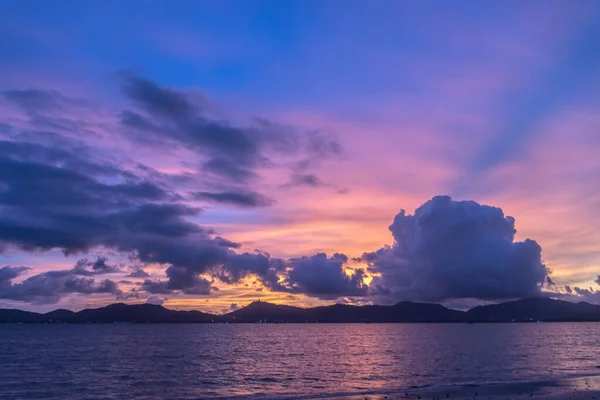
585 387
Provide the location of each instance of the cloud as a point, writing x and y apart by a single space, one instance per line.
35 100
100 266
234 307
71 157
188 281
230 152
94 199
156 286
305 180
225 168
233 152
324 277
80 211
445 250
598 280
456 249
49 287
180 279
160 101
138 272
312 180
568 289
132 294
243 199
89 286
324 146
260 265
577 294
8 273
220 241
110 208
156 300
582 291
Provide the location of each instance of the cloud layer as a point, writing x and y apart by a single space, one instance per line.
62 194
58 191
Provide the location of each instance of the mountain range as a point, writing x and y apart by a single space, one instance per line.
524 310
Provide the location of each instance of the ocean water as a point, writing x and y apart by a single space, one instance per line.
251 361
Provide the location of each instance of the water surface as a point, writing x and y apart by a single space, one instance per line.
282 361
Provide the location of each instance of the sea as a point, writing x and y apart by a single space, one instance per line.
283 361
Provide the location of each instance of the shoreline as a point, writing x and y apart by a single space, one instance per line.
579 387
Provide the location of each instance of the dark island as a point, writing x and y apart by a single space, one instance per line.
524 310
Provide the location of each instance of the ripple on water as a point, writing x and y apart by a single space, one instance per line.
272 361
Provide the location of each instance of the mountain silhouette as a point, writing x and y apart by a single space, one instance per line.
535 309
524 310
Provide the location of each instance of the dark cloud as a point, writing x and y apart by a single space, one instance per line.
584 292
568 289
156 100
69 184
577 294
450 249
306 180
79 212
49 111
224 168
50 287
188 281
100 266
74 158
324 277
242 265
157 286
598 280
229 151
138 272
219 241
446 250
234 307
8 273
312 181
180 279
134 120
243 199
55 193
165 115
89 285
34 100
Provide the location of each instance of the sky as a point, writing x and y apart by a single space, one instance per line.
203 155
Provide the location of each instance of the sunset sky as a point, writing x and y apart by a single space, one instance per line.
203 155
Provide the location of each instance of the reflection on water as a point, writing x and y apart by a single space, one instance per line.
258 360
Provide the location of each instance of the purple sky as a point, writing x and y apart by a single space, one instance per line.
208 153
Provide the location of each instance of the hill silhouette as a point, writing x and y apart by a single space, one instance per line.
524 310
